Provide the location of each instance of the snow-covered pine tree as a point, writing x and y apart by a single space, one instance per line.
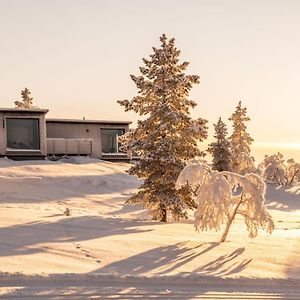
26 100
240 140
167 137
220 149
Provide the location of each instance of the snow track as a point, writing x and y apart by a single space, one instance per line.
71 286
150 294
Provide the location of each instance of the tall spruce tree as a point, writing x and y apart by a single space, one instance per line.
166 139
240 140
220 149
26 100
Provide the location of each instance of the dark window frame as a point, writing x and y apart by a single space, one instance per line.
38 133
112 129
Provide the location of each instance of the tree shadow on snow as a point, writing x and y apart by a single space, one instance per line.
225 264
21 239
34 189
110 281
169 259
282 198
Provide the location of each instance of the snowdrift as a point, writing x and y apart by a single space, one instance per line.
104 237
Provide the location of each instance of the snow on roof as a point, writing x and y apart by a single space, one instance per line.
51 120
87 121
38 110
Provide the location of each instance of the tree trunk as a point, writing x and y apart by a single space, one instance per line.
163 215
230 220
293 177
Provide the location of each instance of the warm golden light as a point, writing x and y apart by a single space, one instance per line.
242 50
278 146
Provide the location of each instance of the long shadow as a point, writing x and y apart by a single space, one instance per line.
21 239
131 283
156 261
188 255
167 259
282 198
222 267
35 189
108 281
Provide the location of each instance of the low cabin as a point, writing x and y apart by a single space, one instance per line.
95 138
27 134
23 133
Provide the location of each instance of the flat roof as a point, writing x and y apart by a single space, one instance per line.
34 110
82 121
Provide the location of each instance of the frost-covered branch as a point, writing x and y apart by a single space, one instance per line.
217 203
275 170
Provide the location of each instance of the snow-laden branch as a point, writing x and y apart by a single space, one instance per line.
275 170
217 202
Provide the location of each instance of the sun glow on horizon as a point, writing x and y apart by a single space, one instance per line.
277 145
288 149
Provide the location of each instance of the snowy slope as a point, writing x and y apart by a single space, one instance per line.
103 237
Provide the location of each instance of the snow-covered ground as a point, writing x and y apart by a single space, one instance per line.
107 248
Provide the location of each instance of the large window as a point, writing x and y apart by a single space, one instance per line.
110 140
22 134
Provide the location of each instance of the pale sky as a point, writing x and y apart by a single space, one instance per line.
76 57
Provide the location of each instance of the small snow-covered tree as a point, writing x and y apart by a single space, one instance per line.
218 204
240 140
275 170
26 100
245 164
293 171
220 149
167 136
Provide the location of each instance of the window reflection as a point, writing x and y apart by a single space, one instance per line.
22 134
110 140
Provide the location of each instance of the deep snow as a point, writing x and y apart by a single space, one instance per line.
105 243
